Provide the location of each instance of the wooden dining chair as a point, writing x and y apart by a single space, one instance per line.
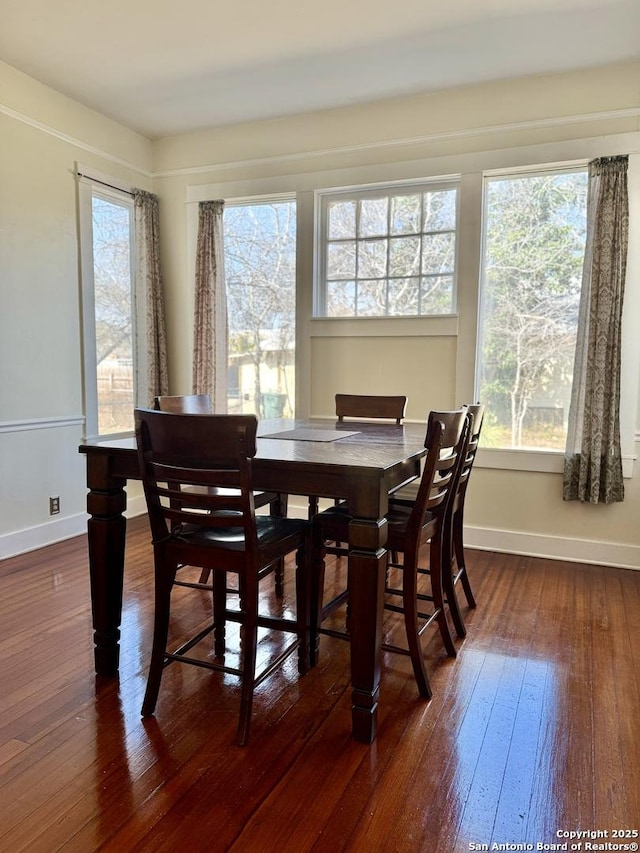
410 527
370 407
200 404
364 407
455 541
216 528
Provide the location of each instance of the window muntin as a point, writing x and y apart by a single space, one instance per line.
389 252
534 239
260 273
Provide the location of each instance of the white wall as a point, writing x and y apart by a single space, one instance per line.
463 131
518 123
42 135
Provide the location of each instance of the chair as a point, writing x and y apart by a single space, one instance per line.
368 407
409 527
458 571
363 407
215 528
200 404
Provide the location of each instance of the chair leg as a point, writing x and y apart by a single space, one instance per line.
279 578
316 592
164 578
204 576
458 525
436 568
248 649
411 622
303 603
219 612
448 584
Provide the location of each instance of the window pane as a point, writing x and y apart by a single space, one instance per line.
372 258
373 217
438 253
341 260
440 210
404 296
341 299
260 271
372 300
534 249
405 214
391 245
404 256
342 220
436 294
113 315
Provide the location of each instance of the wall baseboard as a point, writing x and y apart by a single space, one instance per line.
554 547
483 538
56 530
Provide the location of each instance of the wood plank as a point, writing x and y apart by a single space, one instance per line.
532 728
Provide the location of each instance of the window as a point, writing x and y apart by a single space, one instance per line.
106 231
534 240
260 272
389 252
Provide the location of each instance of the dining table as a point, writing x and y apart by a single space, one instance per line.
360 462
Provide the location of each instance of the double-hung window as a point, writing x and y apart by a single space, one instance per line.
534 242
108 304
387 251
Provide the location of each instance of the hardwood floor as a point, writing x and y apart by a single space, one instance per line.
532 730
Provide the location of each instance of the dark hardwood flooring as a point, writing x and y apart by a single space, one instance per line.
532 730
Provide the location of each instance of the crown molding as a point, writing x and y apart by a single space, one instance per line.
72 140
443 136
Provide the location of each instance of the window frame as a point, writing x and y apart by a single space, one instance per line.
522 458
107 188
356 193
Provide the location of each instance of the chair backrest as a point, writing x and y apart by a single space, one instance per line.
476 410
186 404
446 443
179 451
372 407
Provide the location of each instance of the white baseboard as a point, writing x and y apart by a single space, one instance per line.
482 538
554 547
56 530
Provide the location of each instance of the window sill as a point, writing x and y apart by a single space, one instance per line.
542 461
384 327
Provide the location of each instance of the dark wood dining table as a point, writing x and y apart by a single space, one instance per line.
361 462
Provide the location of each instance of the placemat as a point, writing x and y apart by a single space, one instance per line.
309 434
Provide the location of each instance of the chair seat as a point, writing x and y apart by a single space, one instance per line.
272 531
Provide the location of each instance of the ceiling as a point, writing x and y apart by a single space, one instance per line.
163 67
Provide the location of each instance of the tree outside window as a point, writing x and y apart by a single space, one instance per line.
260 271
535 228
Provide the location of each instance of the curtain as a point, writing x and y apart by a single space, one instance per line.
593 461
210 314
151 336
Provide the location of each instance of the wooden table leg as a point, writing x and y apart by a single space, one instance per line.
106 528
367 566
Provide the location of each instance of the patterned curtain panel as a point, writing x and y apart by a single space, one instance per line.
593 462
151 336
210 321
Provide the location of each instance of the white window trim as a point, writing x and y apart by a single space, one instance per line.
322 199
87 188
513 458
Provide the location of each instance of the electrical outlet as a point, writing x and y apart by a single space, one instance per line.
54 505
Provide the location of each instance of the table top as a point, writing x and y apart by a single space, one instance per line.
363 444
367 460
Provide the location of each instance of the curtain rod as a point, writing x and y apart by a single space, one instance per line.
104 183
